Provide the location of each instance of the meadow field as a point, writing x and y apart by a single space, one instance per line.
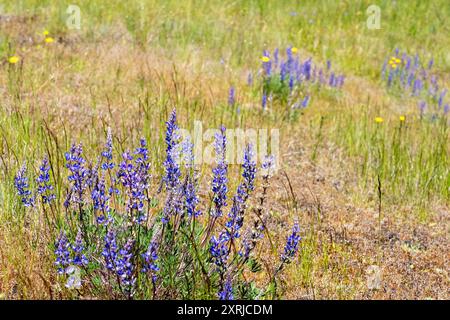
204 149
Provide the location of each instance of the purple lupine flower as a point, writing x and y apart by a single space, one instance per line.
172 169
110 250
187 150
62 253
341 80
219 251
150 257
417 87
305 101
236 214
231 97
291 83
220 180
416 61
191 199
79 258
268 166
92 175
143 163
125 267
120 261
332 80
45 188
264 100
283 71
107 153
291 246
430 63
446 108
100 198
410 79
441 97
78 175
249 168
22 187
307 69
174 203
328 65
408 63
135 185
290 60
227 292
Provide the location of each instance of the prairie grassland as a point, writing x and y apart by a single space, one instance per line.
367 194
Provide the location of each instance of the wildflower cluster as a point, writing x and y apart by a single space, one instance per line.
69 254
130 244
291 80
410 76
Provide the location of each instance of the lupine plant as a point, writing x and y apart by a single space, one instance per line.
410 77
292 80
129 240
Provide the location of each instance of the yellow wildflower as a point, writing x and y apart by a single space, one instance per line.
379 119
265 59
49 40
45 33
394 66
13 59
294 50
402 118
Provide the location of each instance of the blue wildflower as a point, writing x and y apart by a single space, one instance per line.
172 169
45 188
249 168
110 250
264 100
135 185
236 214
78 175
62 253
227 292
231 97
125 267
22 187
150 265
219 251
291 246
142 162
100 197
191 199
79 258
107 153
305 101
220 180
